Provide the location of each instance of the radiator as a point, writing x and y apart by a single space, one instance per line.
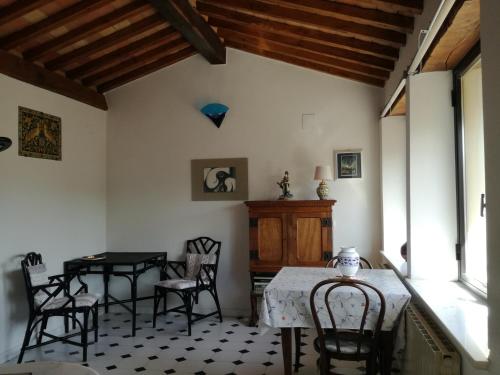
428 351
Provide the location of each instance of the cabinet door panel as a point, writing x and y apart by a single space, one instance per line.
309 241
270 239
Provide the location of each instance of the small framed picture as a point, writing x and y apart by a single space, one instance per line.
348 164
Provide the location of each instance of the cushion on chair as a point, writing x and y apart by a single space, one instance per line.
348 345
81 300
193 265
39 276
176 283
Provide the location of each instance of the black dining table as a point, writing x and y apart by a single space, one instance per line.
129 265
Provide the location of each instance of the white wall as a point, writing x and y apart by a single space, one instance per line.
393 171
431 188
155 129
54 207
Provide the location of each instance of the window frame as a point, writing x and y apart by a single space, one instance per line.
463 66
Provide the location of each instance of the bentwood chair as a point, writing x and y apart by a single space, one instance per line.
363 263
187 279
348 344
50 296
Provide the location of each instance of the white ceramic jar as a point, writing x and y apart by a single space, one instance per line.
348 261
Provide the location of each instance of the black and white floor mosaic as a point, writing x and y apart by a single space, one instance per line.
214 348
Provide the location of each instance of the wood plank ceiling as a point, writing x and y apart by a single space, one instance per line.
84 48
355 39
459 34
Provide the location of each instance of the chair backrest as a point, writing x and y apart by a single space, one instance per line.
28 264
363 263
205 246
359 335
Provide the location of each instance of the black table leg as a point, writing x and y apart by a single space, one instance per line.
134 301
286 345
387 339
105 276
66 319
163 276
297 332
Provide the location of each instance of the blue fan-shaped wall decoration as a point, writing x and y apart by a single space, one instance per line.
5 143
215 112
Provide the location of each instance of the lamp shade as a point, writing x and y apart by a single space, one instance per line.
323 172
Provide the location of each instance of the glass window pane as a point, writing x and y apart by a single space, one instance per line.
474 177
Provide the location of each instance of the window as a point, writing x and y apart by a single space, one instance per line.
471 249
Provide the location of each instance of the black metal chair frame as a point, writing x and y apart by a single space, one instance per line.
206 280
359 336
363 263
58 286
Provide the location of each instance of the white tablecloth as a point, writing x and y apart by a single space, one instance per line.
285 303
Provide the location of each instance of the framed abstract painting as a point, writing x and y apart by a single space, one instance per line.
219 179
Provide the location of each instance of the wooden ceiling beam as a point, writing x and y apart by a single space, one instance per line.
216 13
19 8
194 28
135 62
52 22
348 12
287 50
415 5
33 74
147 69
311 20
117 37
93 27
160 37
296 40
399 7
306 63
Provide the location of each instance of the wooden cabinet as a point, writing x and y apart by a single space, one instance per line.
286 233
289 233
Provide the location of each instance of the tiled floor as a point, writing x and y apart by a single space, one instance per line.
215 348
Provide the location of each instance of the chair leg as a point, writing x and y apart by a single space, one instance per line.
96 322
42 330
155 306
324 365
371 365
26 341
164 296
84 333
189 308
216 299
66 323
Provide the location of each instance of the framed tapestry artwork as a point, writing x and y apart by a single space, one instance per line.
39 134
219 179
348 164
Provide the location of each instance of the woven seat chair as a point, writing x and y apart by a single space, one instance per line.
187 279
50 296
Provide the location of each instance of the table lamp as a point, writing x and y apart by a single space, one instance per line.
323 173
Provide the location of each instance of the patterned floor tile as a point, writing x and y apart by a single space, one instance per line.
213 349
